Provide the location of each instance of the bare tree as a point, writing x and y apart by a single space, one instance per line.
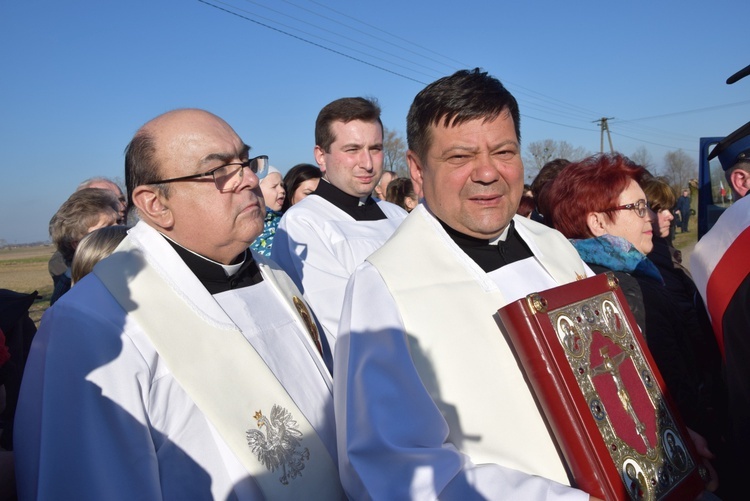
394 152
679 168
642 157
541 152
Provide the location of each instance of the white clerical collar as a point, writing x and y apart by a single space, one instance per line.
501 237
229 269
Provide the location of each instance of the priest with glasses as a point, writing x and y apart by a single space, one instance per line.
185 366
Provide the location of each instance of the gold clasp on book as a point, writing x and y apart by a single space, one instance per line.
537 303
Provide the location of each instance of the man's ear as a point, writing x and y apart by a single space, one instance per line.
320 158
153 206
415 171
740 180
597 223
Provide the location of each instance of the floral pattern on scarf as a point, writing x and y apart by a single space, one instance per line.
617 254
262 244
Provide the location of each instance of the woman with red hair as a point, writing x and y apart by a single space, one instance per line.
599 204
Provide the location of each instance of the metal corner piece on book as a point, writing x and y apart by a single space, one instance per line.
612 280
537 303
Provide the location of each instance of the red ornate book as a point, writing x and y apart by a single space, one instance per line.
601 392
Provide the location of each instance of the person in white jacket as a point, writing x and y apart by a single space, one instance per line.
184 366
320 240
430 402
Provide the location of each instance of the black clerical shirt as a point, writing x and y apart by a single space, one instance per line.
212 275
369 211
488 256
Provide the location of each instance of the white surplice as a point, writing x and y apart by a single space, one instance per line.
319 246
102 417
429 399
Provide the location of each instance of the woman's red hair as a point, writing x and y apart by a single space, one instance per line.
592 185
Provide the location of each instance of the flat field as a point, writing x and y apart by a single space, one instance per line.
24 269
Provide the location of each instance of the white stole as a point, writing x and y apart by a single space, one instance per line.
448 307
201 356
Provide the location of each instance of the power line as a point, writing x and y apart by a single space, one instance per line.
350 39
379 30
312 43
553 101
584 114
523 115
560 113
655 132
649 142
538 101
698 110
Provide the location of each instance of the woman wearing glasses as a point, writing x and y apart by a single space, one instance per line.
598 204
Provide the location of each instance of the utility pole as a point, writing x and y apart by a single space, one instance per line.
602 122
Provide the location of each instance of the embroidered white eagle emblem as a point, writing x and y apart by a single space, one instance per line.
280 447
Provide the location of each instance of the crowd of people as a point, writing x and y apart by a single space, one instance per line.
229 332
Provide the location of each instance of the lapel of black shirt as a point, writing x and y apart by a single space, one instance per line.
212 275
488 256
369 211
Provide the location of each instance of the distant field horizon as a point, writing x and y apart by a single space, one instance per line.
24 269
5 245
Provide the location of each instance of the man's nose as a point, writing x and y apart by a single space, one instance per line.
366 160
484 170
248 177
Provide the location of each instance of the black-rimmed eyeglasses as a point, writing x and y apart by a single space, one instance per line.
227 177
639 207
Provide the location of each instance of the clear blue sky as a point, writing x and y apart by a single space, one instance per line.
78 78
